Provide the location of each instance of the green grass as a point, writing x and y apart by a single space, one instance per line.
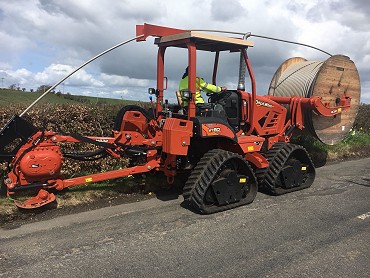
355 144
356 138
25 98
127 189
8 96
7 208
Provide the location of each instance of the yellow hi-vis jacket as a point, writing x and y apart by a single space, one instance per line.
201 85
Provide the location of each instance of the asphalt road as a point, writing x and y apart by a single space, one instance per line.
323 231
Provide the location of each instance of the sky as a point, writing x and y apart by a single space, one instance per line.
41 41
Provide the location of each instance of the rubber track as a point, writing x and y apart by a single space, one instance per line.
202 176
277 156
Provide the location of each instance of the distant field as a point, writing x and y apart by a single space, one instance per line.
8 96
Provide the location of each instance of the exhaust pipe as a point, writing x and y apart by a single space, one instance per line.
242 67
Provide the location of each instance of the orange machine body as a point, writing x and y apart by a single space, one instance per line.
163 139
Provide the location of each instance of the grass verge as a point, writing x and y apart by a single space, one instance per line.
355 145
85 197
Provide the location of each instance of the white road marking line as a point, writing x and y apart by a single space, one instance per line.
364 216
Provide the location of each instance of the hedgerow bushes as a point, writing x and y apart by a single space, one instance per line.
68 118
87 120
98 120
362 122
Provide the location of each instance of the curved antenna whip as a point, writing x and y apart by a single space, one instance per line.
292 42
75 70
249 34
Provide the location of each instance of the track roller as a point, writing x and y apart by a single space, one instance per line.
290 169
221 180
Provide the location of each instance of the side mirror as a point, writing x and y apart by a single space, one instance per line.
186 95
151 91
165 85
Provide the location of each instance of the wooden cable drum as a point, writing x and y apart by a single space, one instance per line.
329 80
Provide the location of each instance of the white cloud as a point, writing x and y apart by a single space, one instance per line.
11 43
19 77
116 80
365 91
56 72
5 66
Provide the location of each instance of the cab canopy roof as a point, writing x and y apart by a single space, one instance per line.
204 41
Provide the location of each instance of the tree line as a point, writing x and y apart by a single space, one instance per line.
40 89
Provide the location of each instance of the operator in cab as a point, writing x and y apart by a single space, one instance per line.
201 85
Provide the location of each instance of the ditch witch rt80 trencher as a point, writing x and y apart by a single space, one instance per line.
227 148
